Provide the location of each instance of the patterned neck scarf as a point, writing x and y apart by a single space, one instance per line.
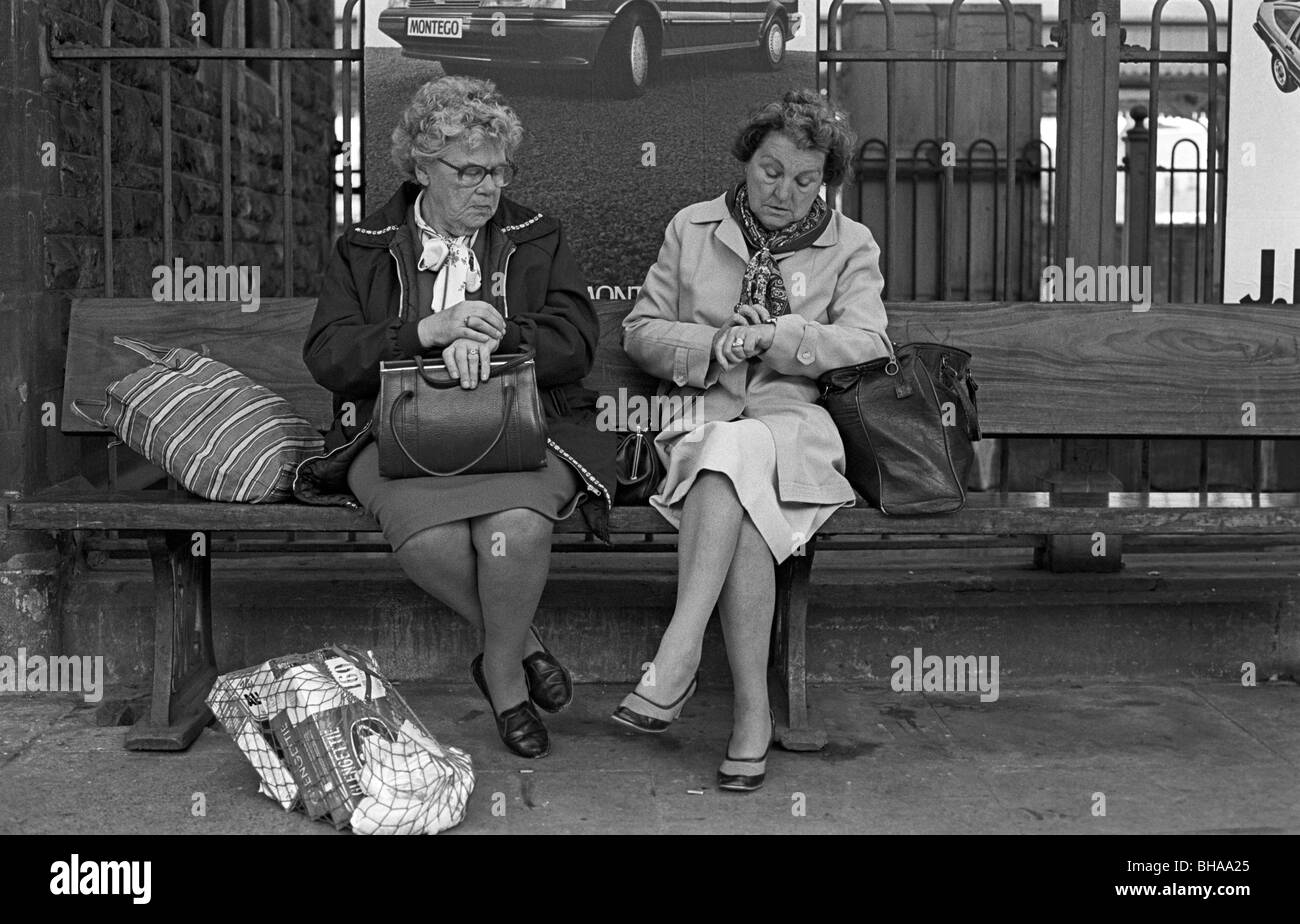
453 256
762 283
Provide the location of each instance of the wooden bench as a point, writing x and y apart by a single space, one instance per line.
1044 370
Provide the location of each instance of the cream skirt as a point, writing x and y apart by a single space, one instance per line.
745 452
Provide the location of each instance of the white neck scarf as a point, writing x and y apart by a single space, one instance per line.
451 257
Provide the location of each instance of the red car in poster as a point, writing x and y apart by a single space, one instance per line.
622 39
1278 24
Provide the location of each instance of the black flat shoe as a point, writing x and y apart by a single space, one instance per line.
520 727
745 774
550 685
649 716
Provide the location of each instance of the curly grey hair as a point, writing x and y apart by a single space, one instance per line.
450 109
807 119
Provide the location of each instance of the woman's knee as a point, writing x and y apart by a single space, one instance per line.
519 528
434 542
716 486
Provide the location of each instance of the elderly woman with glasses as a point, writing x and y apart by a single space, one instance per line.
754 295
451 268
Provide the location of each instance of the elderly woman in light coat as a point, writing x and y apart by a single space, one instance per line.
754 295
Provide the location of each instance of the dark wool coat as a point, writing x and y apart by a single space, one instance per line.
367 313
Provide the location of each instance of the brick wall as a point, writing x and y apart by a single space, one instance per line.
51 244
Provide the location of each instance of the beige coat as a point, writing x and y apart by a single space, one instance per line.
836 319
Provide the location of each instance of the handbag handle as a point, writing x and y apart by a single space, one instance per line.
508 391
513 363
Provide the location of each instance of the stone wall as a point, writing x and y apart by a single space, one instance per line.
51 239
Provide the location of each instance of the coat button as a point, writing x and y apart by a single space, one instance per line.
806 356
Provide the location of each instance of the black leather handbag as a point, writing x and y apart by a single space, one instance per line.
638 468
426 424
907 421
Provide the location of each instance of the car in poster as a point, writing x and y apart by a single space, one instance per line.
623 40
1278 23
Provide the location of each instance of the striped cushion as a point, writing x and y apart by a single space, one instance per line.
209 426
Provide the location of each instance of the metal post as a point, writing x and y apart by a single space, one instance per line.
1138 176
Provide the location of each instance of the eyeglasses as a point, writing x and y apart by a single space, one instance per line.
471 175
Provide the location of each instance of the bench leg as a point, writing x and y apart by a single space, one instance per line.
789 653
183 664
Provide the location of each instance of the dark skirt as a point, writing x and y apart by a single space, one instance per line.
406 506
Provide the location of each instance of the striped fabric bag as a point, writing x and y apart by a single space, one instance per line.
214 430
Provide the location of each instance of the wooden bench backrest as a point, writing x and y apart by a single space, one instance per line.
1060 369
1097 369
266 345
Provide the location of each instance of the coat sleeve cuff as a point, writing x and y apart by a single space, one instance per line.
791 346
408 339
513 338
693 362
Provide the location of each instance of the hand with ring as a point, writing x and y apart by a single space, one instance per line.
469 360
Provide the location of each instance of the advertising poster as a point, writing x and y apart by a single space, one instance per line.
1262 237
628 115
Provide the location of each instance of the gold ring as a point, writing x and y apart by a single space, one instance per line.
738 341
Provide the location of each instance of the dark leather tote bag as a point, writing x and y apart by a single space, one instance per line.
426 424
907 421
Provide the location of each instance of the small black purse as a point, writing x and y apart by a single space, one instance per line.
638 469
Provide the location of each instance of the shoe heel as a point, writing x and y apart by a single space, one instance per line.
745 774
644 715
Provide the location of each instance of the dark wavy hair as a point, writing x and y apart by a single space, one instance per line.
807 119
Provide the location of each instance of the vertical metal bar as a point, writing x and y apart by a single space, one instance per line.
891 149
946 172
286 148
1011 164
169 209
1211 157
106 157
227 129
970 219
1153 130
1049 240
169 218
1146 471
1172 182
347 115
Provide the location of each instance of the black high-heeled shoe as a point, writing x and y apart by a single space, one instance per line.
550 685
655 718
745 774
520 727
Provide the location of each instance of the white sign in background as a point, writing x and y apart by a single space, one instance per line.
1263 194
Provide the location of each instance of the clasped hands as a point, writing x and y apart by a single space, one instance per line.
468 332
747 333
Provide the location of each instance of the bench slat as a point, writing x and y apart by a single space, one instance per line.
986 515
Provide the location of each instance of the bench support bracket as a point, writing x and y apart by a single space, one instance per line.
183 664
789 651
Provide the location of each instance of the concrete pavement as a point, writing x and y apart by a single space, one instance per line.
1178 757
